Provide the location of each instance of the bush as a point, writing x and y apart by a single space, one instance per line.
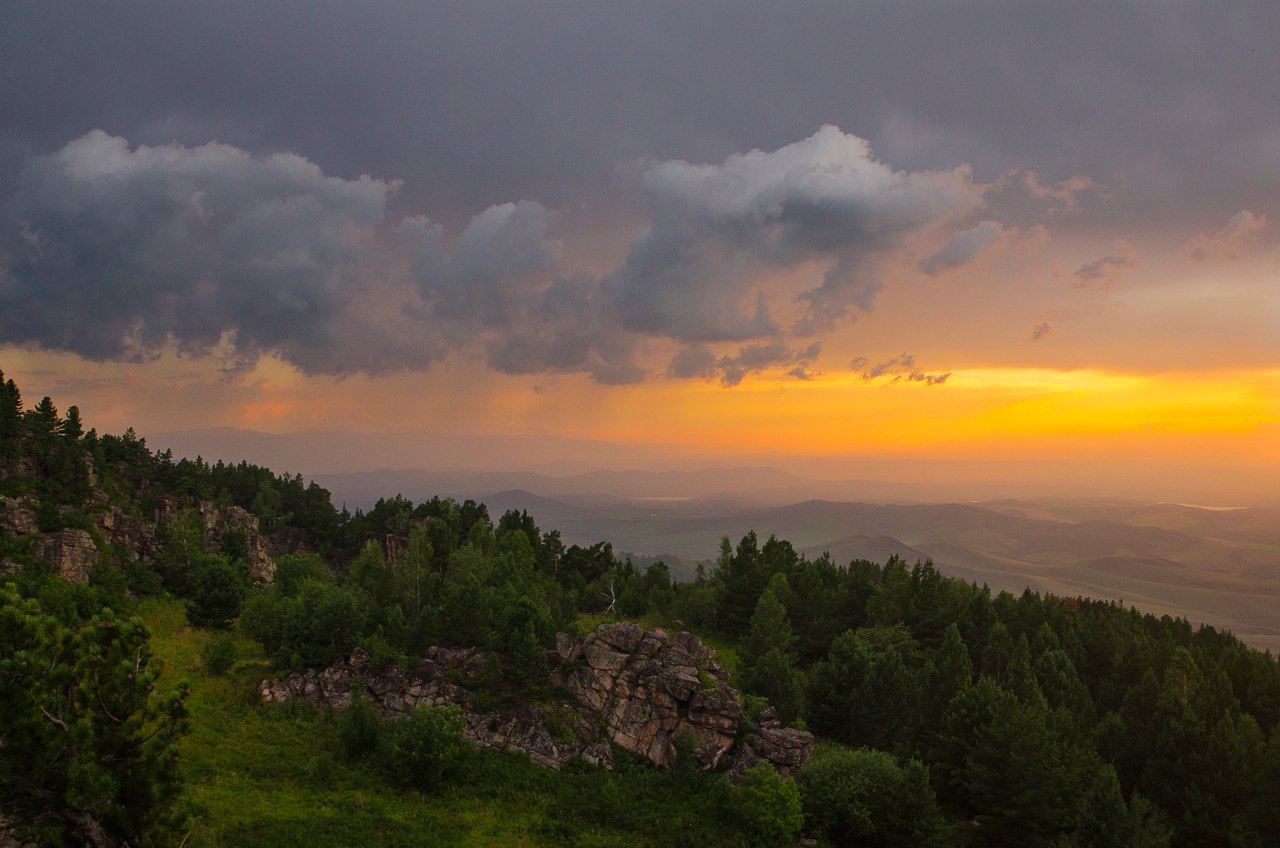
292 570
418 750
217 589
323 624
686 752
381 652
139 577
262 618
219 654
863 798
359 728
768 806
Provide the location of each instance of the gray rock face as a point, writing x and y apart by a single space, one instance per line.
19 515
73 552
129 532
395 692
648 687
70 551
634 688
216 522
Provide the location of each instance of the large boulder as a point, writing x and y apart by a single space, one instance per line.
647 687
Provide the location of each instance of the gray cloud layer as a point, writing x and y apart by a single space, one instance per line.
717 228
110 252
474 104
114 252
1094 114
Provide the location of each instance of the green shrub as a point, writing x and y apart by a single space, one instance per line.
381 652
863 798
686 745
262 618
141 580
219 654
109 586
217 589
419 750
768 806
323 624
359 728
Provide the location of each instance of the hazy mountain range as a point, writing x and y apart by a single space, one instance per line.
1207 563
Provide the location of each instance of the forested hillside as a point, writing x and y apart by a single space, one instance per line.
946 714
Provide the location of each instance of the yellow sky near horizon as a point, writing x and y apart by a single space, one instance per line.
1218 415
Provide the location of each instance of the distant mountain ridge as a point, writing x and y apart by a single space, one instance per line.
1210 565
1216 567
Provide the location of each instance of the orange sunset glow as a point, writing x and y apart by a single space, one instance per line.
871 275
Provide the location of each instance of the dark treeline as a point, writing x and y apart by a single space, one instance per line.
954 716
1040 720
51 458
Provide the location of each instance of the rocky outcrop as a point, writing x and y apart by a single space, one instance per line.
784 747
18 515
129 532
648 687
72 552
633 688
395 692
216 522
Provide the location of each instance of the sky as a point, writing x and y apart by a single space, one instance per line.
950 232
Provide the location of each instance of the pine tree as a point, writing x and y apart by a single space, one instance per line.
953 670
88 755
10 413
1015 780
769 628
767 661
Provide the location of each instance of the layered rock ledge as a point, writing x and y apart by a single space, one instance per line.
623 685
74 552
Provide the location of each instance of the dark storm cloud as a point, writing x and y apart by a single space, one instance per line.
111 253
481 279
1096 115
696 361
475 104
570 328
114 253
717 229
